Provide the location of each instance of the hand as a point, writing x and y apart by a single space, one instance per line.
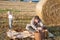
37 30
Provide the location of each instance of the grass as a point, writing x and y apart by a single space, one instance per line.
5 10
54 30
20 21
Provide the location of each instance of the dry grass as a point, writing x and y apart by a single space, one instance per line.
50 12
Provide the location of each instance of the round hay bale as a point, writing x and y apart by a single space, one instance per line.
49 12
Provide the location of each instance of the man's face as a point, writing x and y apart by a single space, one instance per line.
36 20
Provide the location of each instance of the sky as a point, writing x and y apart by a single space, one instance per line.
26 0
35 0
32 0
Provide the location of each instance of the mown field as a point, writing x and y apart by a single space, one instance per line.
19 22
22 14
21 17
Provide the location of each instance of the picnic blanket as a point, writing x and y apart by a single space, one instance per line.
13 34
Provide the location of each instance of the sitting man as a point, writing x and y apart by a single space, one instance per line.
36 25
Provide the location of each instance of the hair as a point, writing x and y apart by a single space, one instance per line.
37 17
39 20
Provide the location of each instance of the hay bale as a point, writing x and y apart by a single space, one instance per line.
49 12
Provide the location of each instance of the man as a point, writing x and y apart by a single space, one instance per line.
34 27
35 23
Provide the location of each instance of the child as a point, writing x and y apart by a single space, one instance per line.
10 17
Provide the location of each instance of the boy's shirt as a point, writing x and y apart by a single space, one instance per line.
10 16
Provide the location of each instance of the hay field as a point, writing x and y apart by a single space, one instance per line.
22 16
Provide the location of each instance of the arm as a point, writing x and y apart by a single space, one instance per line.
32 24
41 24
27 26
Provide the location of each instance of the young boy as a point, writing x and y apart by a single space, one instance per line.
10 17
